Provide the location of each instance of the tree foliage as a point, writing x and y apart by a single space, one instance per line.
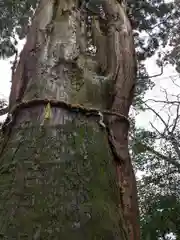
172 54
157 154
14 21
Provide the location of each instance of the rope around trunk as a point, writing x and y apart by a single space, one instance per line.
60 104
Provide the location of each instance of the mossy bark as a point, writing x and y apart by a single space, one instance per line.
59 177
59 183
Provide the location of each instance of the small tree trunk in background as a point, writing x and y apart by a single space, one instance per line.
64 176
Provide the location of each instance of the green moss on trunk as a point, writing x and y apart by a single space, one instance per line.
59 183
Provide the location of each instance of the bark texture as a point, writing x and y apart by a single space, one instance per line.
62 175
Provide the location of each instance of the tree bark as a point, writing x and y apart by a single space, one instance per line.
65 167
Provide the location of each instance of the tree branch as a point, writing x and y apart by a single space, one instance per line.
162 156
153 76
170 136
161 101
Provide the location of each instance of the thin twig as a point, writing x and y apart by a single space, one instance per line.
153 76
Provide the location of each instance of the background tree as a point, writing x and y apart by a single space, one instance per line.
156 153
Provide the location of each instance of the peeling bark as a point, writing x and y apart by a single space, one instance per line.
61 62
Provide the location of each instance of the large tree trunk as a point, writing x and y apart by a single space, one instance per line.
65 169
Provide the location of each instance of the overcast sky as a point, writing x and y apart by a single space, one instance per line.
163 83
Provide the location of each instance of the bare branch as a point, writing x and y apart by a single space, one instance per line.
162 101
160 134
176 119
172 161
173 80
157 114
170 137
153 76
